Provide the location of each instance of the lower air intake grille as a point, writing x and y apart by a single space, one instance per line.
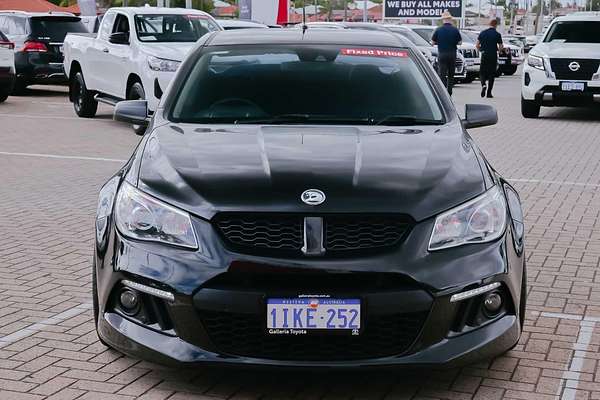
245 335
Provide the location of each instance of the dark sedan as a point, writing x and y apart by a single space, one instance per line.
308 198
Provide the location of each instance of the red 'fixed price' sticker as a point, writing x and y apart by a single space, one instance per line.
374 52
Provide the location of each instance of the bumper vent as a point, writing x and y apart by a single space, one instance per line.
561 69
341 233
245 335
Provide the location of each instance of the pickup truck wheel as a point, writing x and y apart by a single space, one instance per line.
83 101
3 97
136 92
530 108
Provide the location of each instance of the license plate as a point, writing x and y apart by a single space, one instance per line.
501 62
299 316
572 86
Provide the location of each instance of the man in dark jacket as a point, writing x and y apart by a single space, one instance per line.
447 38
489 43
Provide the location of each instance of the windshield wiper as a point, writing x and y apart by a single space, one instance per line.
300 118
400 120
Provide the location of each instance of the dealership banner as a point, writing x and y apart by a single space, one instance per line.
421 8
245 9
270 12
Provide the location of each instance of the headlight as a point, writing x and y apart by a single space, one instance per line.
162 64
480 220
535 62
143 217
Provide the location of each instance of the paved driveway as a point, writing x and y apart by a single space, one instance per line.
52 165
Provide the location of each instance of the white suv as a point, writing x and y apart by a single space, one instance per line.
563 69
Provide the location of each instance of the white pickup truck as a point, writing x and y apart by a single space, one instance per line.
134 55
563 69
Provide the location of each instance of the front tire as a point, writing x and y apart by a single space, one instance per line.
510 70
19 88
137 92
3 97
83 100
530 108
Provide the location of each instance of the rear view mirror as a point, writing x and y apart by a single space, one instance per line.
478 115
119 38
132 111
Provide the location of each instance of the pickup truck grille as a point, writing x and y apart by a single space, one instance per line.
587 68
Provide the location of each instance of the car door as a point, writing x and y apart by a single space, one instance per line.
96 60
119 58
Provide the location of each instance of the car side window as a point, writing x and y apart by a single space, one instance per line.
121 24
107 26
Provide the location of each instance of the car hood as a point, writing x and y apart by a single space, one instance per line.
171 51
205 170
567 50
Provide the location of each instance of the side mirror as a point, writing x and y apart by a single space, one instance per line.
119 38
132 111
478 115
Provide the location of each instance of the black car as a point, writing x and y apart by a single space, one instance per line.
38 39
308 198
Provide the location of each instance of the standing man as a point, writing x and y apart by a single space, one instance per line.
489 43
446 38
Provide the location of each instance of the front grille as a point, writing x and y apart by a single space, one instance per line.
587 68
245 335
286 232
350 233
514 52
469 53
278 232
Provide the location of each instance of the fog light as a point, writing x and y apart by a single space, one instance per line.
527 79
492 303
129 301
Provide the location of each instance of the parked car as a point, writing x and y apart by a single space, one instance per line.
38 40
472 59
354 226
472 56
428 51
134 55
7 67
564 68
229 24
512 56
530 42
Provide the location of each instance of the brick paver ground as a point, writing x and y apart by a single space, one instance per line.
48 347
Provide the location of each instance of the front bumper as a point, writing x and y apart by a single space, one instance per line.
219 302
546 91
473 65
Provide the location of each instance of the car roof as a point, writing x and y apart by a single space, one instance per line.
580 16
157 10
38 14
240 24
310 36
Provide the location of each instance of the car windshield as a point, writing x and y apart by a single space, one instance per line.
410 35
173 27
283 84
467 37
54 29
574 32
